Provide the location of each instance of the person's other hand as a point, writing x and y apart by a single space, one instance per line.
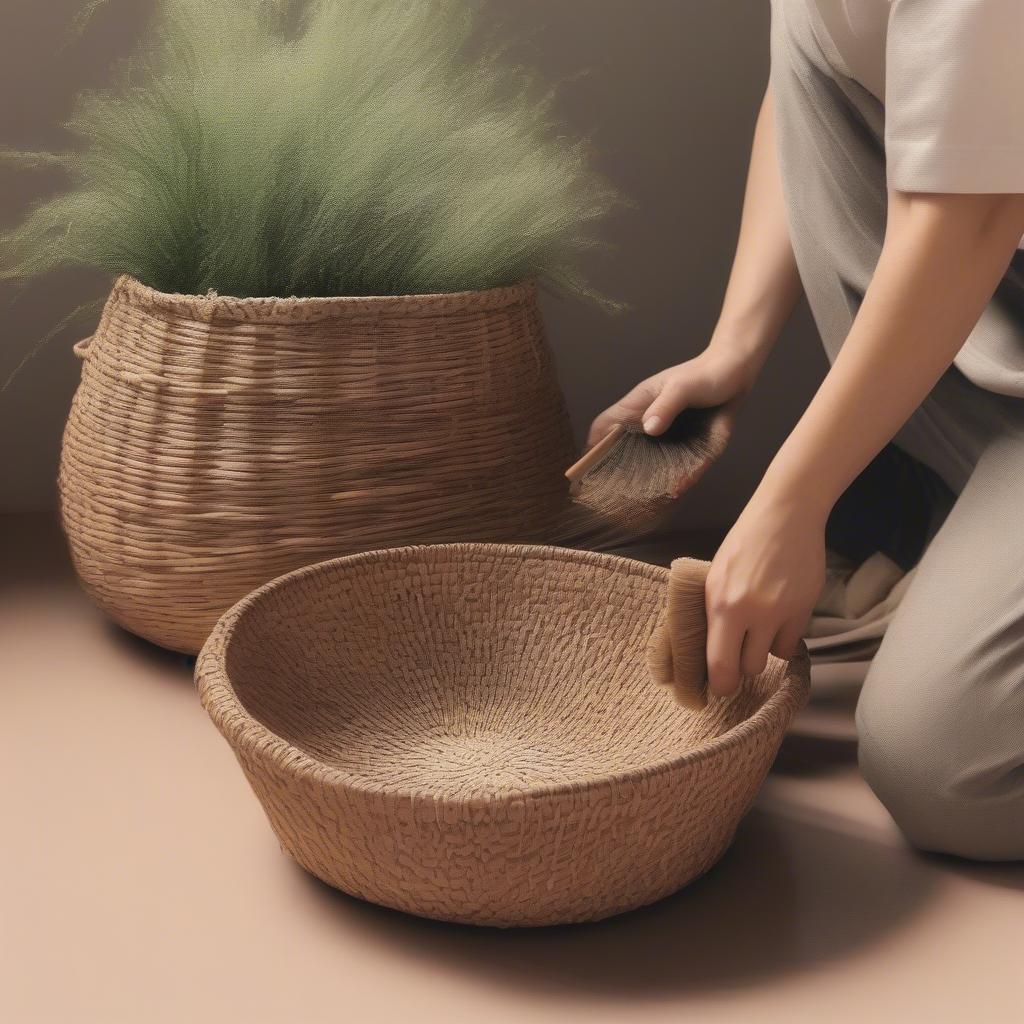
715 377
762 586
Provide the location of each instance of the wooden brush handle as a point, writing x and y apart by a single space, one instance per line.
592 455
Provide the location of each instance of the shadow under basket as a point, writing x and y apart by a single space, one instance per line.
215 443
468 732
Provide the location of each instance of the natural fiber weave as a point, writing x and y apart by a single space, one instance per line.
469 732
215 443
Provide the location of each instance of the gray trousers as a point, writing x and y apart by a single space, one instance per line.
941 715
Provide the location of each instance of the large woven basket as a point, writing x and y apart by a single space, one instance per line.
215 443
468 732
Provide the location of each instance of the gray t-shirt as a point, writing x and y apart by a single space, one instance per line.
950 74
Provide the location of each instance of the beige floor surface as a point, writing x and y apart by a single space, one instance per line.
139 881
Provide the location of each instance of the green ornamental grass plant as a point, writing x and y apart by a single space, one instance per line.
334 147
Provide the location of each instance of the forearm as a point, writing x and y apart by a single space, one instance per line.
764 284
942 259
763 287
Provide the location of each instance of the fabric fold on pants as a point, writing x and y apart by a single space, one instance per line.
940 717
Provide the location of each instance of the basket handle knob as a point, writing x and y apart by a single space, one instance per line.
81 348
676 652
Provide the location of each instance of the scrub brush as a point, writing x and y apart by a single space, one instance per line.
628 480
676 651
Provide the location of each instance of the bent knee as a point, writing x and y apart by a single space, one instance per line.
945 795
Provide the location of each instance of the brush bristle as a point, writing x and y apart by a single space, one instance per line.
628 490
676 653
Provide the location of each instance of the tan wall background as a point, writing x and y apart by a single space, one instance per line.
669 98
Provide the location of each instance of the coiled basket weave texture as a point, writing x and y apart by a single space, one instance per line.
215 443
468 732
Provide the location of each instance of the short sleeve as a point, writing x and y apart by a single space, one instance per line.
954 96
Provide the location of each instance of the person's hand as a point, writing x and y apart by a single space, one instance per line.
762 586
715 377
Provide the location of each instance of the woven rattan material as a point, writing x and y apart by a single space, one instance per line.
626 485
215 443
469 732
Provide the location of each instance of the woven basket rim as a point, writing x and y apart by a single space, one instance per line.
293 309
251 737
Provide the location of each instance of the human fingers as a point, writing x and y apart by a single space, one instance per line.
787 640
670 401
724 645
627 409
756 647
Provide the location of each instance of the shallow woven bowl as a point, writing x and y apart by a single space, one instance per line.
468 732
